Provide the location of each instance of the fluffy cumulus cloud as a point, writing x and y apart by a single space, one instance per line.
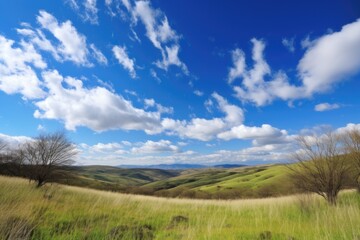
246 132
331 59
155 147
276 146
327 60
123 58
96 108
206 129
259 85
13 142
321 107
17 65
104 148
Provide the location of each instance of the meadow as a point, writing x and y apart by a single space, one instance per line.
66 212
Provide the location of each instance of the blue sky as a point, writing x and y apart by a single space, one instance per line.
147 82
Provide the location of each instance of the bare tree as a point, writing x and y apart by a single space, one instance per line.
2 151
352 143
2 146
45 156
320 166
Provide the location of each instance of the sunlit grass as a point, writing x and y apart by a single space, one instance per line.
63 212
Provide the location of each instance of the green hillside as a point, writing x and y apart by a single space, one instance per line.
114 178
59 212
207 183
245 182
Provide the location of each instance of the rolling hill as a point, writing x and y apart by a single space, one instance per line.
66 212
114 178
244 182
202 183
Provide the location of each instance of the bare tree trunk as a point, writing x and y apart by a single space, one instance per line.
331 198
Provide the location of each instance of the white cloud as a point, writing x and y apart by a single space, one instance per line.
238 58
170 57
90 11
289 44
72 45
158 31
41 128
329 59
16 73
98 55
208 105
206 129
348 127
261 136
245 132
198 93
306 42
154 75
87 10
96 108
155 147
160 108
321 107
13 142
149 102
103 147
39 40
123 58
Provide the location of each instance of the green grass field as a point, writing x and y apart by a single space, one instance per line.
64 212
244 182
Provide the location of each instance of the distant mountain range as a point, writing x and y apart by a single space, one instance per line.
181 166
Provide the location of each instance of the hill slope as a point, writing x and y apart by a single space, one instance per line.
63 212
245 182
114 178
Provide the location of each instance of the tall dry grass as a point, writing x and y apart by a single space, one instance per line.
62 212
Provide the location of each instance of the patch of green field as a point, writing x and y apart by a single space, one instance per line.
63 212
113 178
245 182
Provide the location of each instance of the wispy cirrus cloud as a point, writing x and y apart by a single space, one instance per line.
289 43
121 55
66 44
86 9
158 30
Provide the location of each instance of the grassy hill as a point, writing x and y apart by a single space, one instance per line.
244 182
114 178
205 183
64 212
